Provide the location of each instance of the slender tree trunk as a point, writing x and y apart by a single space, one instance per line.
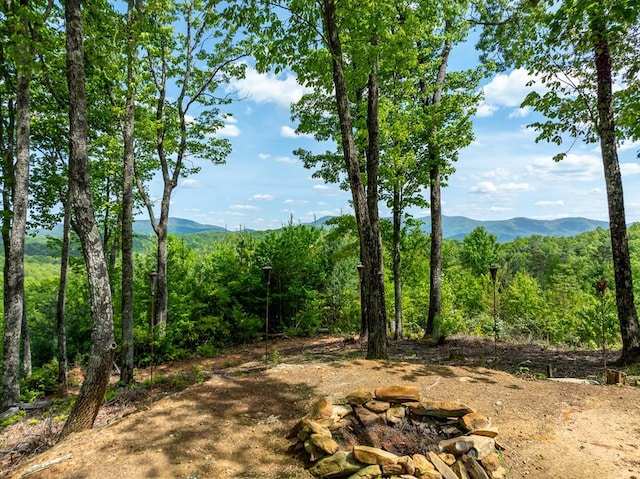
162 293
85 409
435 269
27 367
61 305
627 314
14 272
397 261
368 222
126 370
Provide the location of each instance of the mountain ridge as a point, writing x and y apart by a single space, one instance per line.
454 227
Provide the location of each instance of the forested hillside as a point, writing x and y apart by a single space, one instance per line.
546 291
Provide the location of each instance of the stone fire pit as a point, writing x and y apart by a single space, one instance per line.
392 433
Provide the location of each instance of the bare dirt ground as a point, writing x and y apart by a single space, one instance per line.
233 425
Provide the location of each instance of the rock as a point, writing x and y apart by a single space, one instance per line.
441 467
424 469
340 464
482 446
442 409
474 421
377 406
487 431
491 462
395 414
359 397
448 459
407 464
313 451
397 394
366 417
392 469
373 455
474 468
321 409
457 445
338 400
460 470
369 472
340 411
326 444
309 426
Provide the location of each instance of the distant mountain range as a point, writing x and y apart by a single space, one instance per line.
454 227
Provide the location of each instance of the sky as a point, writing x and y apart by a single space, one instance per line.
503 174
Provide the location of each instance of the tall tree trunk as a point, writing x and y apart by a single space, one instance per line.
85 409
435 268
27 366
126 370
61 313
397 261
368 221
627 314
14 262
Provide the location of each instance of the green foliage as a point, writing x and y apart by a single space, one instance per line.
42 382
545 291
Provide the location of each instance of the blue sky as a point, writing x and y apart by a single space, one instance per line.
503 174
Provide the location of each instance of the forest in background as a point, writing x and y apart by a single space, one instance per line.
546 291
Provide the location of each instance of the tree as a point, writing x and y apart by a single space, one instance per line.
85 409
134 12
21 26
195 66
479 251
578 48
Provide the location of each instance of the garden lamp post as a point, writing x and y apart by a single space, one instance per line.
493 270
266 269
363 324
602 285
153 282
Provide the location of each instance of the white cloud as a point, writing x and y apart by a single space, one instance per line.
500 209
288 132
229 130
629 145
546 203
484 187
264 156
243 207
265 197
485 110
498 173
295 202
629 169
520 112
508 90
190 183
286 159
321 187
489 187
572 168
269 88
515 187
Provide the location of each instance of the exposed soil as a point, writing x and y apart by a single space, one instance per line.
233 425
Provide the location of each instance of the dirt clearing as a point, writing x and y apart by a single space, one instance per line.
233 425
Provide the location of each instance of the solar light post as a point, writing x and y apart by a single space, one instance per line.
602 285
493 270
153 283
266 269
